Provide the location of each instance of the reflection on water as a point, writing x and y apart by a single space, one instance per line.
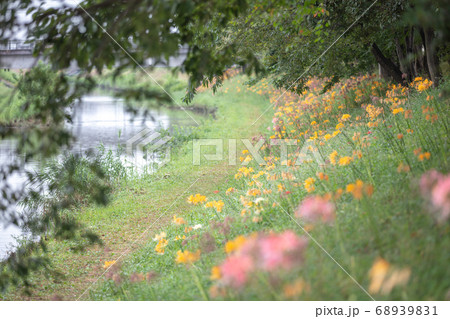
95 120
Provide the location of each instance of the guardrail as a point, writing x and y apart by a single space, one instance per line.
16 46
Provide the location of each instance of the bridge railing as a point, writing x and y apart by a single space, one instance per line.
16 45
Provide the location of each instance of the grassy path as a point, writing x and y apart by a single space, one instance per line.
143 206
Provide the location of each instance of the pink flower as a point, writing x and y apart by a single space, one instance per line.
281 251
428 181
316 208
235 270
440 198
263 253
435 187
274 120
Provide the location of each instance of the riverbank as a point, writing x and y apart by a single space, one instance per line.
363 216
355 221
133 215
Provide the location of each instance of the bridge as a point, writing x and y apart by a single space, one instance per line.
19 55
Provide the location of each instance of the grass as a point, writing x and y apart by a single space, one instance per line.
139 202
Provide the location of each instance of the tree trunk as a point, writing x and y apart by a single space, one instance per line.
399 49
409 40
432 60
386 64
424 60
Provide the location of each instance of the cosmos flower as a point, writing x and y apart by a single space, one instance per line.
316 208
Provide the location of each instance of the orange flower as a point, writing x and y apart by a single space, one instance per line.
187 257
235 244
178 220
216 274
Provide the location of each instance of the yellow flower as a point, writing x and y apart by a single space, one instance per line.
234 245
333 157
398 110
178 220
187 257
309 184
377 274
109 263
339 126
160 246
343 161
160 236
196 199
384 277
229 191
253 192
218 205
180 238
345 117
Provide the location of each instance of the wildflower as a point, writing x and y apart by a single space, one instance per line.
309 184
436 188
283 250
215 273
280 187
198 226
229 191
322 176
137 277
196 199
162 243
159 236
180 237
217 205
377 274
403 168
235 244
358 188
178 220
343 161
399 136
345 117
108 264
408 114
315 208
333 157
253 192
235 270
398 110
187 257
424 156
440 198
187 229
384 277
296 289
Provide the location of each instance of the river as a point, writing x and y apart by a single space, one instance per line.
96 120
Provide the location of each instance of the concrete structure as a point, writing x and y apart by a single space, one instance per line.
19 55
